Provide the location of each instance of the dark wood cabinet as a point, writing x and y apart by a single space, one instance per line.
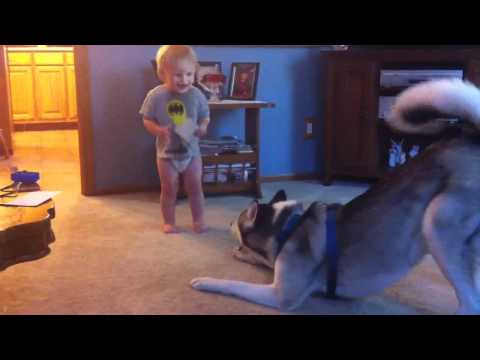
351 138
354 136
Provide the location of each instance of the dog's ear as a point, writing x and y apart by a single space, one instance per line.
252 211
279 196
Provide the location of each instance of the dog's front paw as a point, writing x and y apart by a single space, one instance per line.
200 283
237 253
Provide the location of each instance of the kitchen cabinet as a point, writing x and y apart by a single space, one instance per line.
21 93
42 86
50 92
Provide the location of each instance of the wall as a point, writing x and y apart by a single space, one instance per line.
120 77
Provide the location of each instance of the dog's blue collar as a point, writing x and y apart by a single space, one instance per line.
331 252
287 230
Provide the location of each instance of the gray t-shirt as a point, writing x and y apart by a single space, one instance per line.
169 108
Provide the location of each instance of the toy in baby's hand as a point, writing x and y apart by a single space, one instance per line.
186 130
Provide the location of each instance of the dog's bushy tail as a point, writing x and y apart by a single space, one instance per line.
429 106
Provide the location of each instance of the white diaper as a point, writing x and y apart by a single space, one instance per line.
181 165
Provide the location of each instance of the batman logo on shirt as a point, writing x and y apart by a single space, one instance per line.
177 112
175 108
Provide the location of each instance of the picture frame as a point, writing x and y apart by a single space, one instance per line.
206 68
243 80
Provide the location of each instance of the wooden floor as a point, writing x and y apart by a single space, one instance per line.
54 154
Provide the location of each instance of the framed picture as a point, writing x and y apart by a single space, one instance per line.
205 69
243 81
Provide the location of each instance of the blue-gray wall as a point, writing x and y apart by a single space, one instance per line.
120 77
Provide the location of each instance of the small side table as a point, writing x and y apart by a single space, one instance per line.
25 233
252 138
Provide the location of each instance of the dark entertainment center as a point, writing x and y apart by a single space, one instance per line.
356 141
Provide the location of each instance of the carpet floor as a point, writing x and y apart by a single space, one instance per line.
110 257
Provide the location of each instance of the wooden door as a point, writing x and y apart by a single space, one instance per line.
71 92
50 92
351 132
6 124
21 89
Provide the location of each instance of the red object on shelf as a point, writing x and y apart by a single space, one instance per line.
214 78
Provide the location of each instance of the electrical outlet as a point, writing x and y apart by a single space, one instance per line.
309 128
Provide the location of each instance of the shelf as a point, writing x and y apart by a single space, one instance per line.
229 158
238 104
252 126
392 91
221 188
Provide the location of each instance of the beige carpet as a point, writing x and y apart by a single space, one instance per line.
111 258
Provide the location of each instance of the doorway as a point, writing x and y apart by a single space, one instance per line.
45 132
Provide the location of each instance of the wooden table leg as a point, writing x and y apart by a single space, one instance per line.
252 138
4 153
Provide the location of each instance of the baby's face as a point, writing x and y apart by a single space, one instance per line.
180 75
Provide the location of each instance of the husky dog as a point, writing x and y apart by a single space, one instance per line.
429 205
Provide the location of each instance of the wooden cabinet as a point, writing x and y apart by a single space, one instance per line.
355 139
351 132
42 86
21 93
50 92
71 92
252 184
252 138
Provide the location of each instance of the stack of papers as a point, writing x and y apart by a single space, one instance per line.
31 199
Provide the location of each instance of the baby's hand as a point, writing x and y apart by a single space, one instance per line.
201 131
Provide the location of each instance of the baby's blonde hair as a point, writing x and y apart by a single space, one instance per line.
168 54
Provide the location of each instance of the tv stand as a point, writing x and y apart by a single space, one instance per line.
355 140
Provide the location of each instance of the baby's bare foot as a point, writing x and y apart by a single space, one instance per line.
170 229
199 227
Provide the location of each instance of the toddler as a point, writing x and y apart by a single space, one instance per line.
177 113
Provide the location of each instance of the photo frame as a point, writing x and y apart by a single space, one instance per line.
207 68
243 81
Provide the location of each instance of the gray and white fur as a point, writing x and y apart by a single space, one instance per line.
429 205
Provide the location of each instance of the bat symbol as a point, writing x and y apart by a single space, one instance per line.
176 109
